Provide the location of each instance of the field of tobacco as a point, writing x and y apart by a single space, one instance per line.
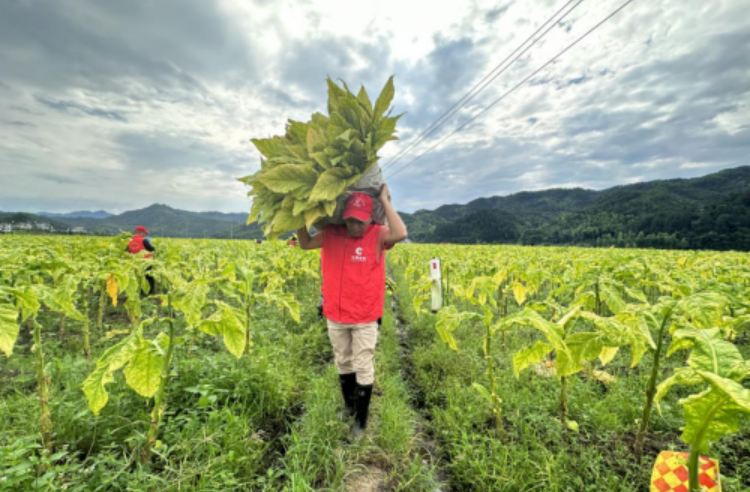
557 369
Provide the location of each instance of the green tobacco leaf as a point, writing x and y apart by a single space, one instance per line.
529 356
8 327
565 363
335 95
269 147
364 100
288 177
322 159
286 301
112 360
190 300
704 309
27 302
684 376
448 320
330 184
314 214
302 206
585 346
612 298
715 412
384 99
143 373
226 323
315 141
285 221
710 352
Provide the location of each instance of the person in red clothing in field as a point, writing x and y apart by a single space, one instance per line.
353 265
139 242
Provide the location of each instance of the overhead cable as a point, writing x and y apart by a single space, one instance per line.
552 60
469 96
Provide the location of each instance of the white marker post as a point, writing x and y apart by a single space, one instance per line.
437 288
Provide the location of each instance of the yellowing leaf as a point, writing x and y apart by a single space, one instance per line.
8 328
607 354
519 292
112 289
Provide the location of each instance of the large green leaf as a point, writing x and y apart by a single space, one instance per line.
585 346
143 373
330 184
190 300
286 221
710 352
8 327
715 412
112 360
704 309
288 177
225 322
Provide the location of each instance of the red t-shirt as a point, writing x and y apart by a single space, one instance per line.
353 274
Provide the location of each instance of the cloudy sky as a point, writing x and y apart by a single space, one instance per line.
120 104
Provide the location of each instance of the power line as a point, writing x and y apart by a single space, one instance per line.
513 88
464 101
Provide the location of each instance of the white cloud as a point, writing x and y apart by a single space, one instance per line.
122 105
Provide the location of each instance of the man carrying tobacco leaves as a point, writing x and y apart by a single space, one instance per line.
353 265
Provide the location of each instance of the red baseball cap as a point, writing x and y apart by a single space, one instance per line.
358 206
142 229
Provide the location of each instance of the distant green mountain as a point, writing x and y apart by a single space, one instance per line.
99 214
708 212
165 221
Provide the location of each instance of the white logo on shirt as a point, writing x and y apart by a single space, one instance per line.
357 256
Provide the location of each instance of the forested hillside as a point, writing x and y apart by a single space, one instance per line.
711 212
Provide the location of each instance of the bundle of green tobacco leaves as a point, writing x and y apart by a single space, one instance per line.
304 172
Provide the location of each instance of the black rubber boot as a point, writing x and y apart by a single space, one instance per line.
348 388
362 407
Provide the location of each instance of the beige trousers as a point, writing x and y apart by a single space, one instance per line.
354 348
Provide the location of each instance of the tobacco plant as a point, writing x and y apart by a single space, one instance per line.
716 368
